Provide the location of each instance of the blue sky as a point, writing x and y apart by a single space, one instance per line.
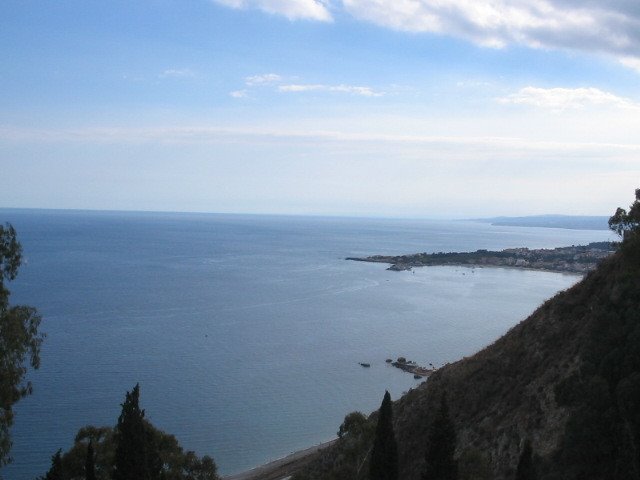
342 107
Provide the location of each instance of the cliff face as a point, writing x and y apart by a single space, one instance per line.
529 383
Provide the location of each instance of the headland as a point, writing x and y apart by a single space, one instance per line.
578 259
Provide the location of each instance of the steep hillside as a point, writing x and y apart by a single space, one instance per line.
567 378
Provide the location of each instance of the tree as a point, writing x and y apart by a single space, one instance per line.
384 455
176 463
354 423
625 223
441 446
19 340
90 463
526 467
136 457
55 472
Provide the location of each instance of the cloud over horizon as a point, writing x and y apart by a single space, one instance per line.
292 9
559 99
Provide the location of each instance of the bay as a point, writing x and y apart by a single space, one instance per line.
245 332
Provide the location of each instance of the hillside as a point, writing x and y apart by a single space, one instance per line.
567 378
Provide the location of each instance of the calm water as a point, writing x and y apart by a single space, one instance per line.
245 332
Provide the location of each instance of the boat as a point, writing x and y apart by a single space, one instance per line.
365 365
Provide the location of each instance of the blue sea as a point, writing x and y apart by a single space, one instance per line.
246 332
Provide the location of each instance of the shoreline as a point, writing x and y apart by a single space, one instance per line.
577 260
284 467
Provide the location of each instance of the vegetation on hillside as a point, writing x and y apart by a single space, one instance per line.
623 222
383 463
439 461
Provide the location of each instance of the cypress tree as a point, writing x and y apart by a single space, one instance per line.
90 463
55 472
441 446
384 455
526 468
135 458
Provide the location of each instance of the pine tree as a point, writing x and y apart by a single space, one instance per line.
90 464
136 457
526 468
384 455
441 446
55 472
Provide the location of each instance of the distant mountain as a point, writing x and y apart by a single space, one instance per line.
552 221
567 379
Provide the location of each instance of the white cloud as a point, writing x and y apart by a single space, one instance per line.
292 9
631 62
178 73
264 79
239 94
611 27
559 99
352 89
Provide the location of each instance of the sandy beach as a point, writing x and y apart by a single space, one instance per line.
284 467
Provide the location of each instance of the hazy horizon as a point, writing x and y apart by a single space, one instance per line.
460 217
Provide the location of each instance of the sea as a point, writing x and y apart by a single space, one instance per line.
246 333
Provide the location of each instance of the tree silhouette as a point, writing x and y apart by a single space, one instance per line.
625 223
526 467
90 463
56 471
136 457
384 455
441 446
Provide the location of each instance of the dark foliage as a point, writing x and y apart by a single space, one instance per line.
526 469
19 340
95 450
56 472
473 465
625 223
136 456
383 464
441 446
602 437
90 463
347 458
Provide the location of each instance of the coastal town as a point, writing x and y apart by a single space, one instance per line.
579 259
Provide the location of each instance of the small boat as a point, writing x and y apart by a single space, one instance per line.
365 365
417 377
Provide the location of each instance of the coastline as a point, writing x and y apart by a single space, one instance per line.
284 467
578 260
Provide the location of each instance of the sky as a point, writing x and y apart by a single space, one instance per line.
394 108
